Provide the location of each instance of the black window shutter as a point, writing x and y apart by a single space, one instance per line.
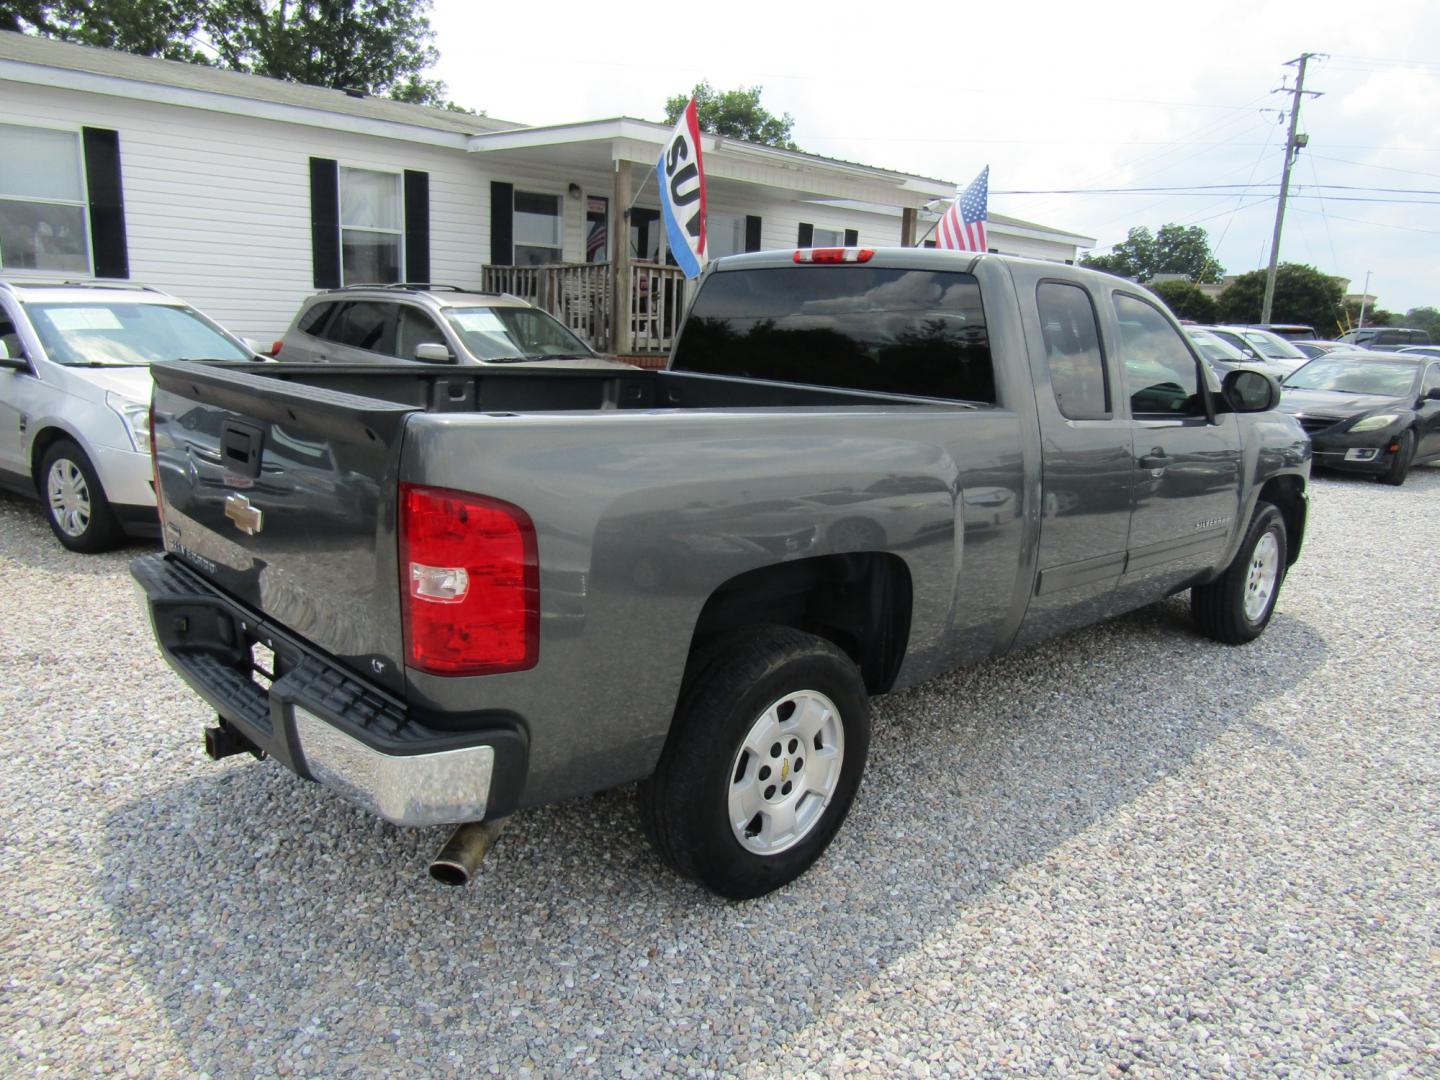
752 233
417 226
852 237
807 234
325 222
502 224
107 203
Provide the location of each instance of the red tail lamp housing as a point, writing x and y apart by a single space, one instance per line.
470 580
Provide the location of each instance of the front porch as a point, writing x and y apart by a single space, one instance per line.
582 296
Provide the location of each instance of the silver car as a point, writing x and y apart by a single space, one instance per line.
380 324
75 399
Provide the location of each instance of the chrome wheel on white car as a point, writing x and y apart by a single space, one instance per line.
75 503
69 497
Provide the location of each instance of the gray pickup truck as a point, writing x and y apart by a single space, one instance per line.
452 593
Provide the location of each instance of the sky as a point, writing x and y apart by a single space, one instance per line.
1051 96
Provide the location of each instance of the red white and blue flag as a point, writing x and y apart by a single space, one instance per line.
682 194
963 226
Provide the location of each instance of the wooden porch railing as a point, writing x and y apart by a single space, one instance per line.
580 295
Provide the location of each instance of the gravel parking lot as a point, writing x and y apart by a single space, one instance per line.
1130 850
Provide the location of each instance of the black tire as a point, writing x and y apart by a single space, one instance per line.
737 686
89 525
1219 607
1400 462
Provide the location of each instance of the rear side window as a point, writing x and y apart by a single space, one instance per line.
364 324
313 320
920 333
1072 350
1161 374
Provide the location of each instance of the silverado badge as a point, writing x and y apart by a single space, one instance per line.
247 518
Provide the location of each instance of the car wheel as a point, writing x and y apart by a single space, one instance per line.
75 503
1400 461
763 761
1236 607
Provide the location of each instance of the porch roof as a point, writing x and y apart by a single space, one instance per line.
602 144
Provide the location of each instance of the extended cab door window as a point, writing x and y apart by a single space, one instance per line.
1072 351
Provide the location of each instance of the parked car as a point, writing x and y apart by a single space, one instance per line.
1419 350
1221 354
1278 359
1385 338
75 399
435 324
1288 331
1378 415
1313 349
861 469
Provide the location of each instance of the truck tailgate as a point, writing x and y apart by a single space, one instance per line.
283 495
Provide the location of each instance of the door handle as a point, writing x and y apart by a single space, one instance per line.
1154 461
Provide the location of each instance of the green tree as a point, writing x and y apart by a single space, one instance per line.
1302 295
736 114
1423 318
1175 249
377 47
1186 300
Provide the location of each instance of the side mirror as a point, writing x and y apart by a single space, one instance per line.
434 353
1247 390
12 356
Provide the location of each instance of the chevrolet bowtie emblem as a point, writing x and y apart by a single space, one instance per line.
247 518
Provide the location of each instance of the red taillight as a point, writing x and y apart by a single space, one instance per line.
275 349
834 255
471 583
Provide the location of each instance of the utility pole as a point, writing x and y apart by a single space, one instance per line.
1364 296
1291 149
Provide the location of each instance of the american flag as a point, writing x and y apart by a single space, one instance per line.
963 226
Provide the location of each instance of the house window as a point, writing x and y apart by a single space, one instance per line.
42 201
537 229
823 237
371 227
725 235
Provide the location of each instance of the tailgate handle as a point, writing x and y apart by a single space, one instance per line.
240 446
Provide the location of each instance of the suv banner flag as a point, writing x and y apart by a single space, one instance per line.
682 194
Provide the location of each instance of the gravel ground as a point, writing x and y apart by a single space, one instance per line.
1130 850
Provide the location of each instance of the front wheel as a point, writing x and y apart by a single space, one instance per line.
1236 607
75 503
1400 460
763 761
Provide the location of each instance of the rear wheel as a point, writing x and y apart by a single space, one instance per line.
1236 607
1400 461
75 503
764 759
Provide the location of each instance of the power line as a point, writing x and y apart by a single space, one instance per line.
1377 224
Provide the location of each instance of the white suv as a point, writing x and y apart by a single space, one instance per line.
75 399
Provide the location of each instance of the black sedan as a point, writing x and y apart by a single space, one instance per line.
1376 414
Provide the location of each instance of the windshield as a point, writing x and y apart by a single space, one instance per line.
1355 377
106 333
1273 347
1215 348
506 333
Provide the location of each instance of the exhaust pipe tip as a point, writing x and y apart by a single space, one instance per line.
468 844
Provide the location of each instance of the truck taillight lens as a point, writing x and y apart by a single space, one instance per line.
834 255
471 583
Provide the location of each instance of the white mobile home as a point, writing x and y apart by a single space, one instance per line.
244 194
